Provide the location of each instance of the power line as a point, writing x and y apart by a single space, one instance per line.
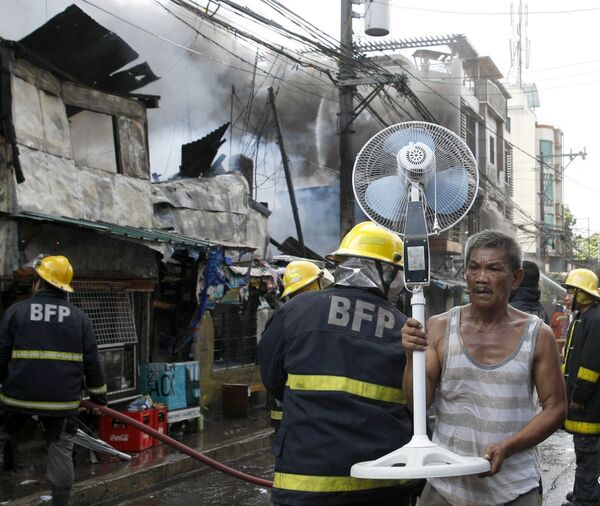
491 13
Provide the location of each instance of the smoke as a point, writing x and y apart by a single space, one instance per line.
210 85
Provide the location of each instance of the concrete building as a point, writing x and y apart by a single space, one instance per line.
521 110
537 147
549 151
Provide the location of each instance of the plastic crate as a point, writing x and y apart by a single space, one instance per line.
125 438
161 420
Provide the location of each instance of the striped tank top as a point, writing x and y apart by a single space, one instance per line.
478 404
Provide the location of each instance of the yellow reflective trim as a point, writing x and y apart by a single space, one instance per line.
276 414
563 368
43 405
342 384
582 427
47 355
568 345
308 483
98 390
588 375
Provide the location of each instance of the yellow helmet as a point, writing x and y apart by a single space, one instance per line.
300 276
586 284
368 240
56 270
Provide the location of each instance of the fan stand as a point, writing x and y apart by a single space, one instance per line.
419 458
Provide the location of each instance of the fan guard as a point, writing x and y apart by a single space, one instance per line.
381 184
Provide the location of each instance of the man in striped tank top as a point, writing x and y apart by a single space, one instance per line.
483 361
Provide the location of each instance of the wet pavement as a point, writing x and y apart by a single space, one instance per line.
556 456
109 478
162 476
216 488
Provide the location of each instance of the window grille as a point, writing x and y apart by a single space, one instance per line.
108 306
235 335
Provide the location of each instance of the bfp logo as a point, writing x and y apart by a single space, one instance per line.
48 312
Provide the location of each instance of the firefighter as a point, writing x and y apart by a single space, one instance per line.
335 360
47 348
299 276
582 370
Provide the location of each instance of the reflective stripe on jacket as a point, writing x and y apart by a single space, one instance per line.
335 358
47 348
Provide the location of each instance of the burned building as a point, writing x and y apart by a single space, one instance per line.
75 180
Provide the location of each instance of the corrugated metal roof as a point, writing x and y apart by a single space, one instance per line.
76 44
141 234
255 272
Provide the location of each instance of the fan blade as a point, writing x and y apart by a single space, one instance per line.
386 196
397 140
448 192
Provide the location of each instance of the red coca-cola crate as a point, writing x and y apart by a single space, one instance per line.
160 420
125 438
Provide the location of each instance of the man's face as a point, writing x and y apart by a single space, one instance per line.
568 298
490 278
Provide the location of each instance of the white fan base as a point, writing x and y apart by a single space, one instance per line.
421 459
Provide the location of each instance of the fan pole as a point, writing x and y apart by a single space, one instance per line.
417 302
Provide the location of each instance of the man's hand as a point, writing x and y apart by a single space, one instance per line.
496 455
414 337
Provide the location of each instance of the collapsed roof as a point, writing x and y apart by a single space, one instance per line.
75 44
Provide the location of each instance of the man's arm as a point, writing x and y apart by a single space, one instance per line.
550 387
414 338
270 355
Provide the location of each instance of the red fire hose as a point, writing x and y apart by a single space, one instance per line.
177 445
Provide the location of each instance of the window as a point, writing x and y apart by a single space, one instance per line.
492 159
109 308
546 148
235 335
119 366
93 139
471 135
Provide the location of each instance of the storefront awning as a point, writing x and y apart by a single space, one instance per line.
139 234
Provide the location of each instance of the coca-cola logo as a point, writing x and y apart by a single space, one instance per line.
119 437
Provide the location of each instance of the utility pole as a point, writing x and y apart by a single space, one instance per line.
288 174
346 98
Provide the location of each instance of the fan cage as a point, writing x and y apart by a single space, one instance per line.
378 159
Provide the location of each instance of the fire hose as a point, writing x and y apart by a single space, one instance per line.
195 454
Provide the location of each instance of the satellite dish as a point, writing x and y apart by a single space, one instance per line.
417 179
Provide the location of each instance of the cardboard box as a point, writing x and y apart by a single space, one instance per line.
123 437
165 383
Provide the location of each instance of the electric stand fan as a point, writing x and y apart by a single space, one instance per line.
416 179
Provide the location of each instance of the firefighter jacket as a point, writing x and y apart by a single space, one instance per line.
582 371
335 359
47 348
